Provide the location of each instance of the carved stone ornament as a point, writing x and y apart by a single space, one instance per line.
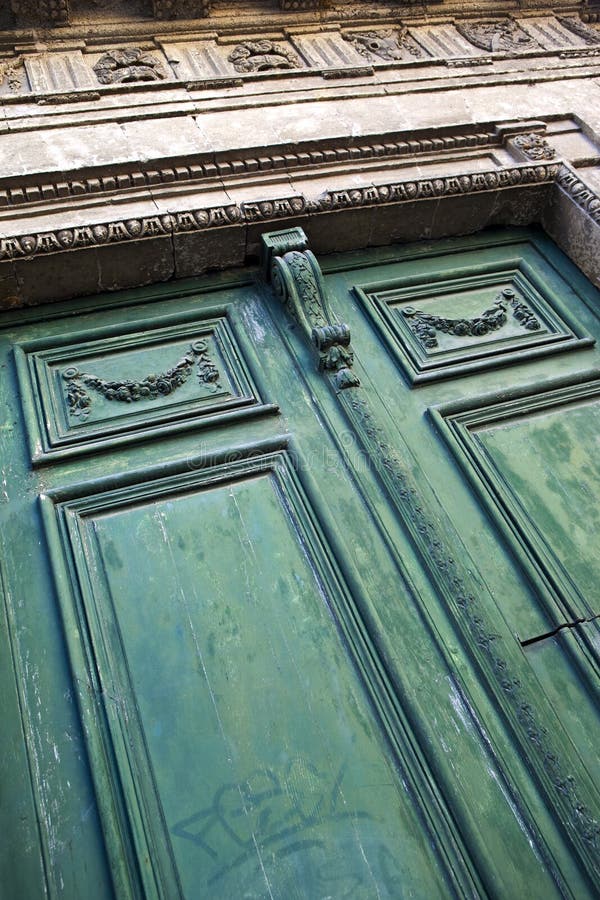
425 326
388 45
262 56
42 12
297 279
534 146
501 36
300 4
585 32
180 9
128 65
13 73
149 388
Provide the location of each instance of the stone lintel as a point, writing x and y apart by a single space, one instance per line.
151 245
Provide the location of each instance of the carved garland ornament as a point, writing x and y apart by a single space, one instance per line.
128 65
262 56
149 388
425 326
298 281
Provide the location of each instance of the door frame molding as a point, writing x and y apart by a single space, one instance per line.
469 190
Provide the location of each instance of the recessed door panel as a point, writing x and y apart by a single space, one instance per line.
247 758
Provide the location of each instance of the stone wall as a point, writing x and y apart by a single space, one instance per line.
129 156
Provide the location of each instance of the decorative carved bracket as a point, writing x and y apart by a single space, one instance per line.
297 279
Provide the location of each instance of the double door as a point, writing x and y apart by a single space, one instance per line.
270 631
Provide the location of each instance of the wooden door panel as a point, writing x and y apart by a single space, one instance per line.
535 455
249 756
456 313
532 460
114 384
17 789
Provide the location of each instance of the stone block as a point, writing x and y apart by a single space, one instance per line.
196 252
57 276
10 292
135 263
522 206
344 229
574 231
155 138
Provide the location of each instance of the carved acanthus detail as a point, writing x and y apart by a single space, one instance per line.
149 388
534 146
298 281
425 326
262 56
388 45
127 65
585 32
501 36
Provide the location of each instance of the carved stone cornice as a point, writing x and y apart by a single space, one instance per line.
301 5
584 197
202 170
199 219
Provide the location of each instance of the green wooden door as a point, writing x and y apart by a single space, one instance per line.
273 628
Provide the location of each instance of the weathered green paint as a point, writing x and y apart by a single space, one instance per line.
235 660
